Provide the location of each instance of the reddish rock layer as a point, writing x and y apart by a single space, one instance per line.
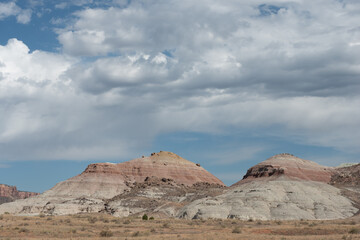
10 193
107 179
290 166
162 164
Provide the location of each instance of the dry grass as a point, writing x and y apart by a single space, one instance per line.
98 226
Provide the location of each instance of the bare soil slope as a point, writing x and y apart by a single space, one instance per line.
282 187
92 190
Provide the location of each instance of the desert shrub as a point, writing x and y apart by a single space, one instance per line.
106 233
236 230
354 231
250 220
127 221
23 230
117 221
92 219
136 234
312 224
153 230
151 218
73 231
1 217
145 217
105 220
165 225
41 215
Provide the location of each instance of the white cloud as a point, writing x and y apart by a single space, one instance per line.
24 16
11 9
289 68
8 9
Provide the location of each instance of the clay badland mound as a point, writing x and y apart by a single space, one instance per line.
292 167
106 180
92 190
281 187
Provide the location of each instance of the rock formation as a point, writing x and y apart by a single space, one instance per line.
347 179
10 193
288 165
282 187
106 180
162 197
348 176
90 190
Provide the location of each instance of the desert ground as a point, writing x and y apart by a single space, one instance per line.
100 226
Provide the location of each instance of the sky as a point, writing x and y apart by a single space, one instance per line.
226 84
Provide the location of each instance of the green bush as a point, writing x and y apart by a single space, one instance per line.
236 230
145 217
151 218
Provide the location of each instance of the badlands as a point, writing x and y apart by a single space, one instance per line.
165 185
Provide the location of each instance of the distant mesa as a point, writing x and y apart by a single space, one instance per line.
10 193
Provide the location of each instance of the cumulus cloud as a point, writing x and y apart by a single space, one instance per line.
132 71
11 9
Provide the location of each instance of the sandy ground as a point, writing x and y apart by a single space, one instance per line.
97 226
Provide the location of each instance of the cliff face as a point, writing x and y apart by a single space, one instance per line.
10 193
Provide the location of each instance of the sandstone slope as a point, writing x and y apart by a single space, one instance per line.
282 187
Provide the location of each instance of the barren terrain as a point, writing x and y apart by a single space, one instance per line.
103 226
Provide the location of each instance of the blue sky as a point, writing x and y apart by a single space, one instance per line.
225 84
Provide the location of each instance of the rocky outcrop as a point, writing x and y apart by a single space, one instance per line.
348 176
93 189
10 193
161 197
283 187
286 164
